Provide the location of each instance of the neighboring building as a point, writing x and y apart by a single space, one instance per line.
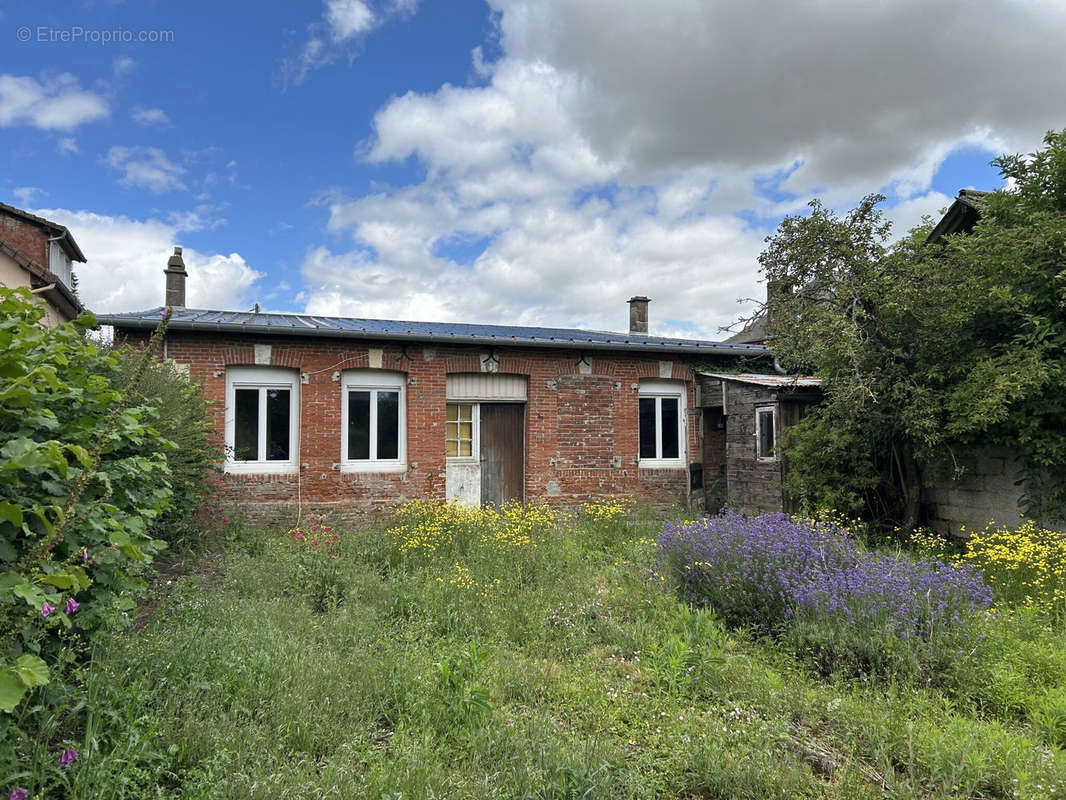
339 413
38 253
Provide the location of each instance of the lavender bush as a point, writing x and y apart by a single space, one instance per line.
811 585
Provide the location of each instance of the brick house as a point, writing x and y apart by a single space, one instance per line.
339 413
39 253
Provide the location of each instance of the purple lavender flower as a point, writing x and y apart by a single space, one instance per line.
47 609
19 793
777 574
68 757
72 606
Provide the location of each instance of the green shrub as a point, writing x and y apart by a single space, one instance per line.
182 419
82 476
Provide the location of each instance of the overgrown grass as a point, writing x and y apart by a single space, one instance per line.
558 665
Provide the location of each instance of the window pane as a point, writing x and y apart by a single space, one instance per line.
388 425
277 424
466 412
453 412
766 434
647 427
246 425
670 427
358 425
451 449
464 448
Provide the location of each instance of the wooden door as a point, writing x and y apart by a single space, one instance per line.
502 452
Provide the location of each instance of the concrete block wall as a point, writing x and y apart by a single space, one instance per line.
985 493
581 420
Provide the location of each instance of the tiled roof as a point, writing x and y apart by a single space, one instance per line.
191 319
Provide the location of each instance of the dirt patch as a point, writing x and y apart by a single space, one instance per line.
168 568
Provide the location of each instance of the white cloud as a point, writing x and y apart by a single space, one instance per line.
339 32
150 116
123 65
146 168
909 213
520 221
27 194
857 92
54 103
618 149
126 258
347 18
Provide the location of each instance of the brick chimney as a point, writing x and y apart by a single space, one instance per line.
638 314
176 276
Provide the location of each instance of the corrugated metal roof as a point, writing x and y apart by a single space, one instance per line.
191 319
779 381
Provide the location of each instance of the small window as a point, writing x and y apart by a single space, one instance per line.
373 430
661 429
262 413
765 430
459 430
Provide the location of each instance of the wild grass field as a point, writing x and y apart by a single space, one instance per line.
459 653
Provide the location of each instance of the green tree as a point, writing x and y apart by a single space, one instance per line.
926 348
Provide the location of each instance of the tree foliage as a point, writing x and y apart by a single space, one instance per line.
925 348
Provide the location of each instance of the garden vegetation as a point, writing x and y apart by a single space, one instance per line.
526 652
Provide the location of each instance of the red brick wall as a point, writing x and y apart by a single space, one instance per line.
24 236
581 429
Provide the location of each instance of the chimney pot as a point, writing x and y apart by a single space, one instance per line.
638 314
176 275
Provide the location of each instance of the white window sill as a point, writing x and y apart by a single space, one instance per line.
769 460
661 463
373 466
462 460
261 468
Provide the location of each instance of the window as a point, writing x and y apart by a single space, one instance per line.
460 430
765 419
373 421
262 413
661 424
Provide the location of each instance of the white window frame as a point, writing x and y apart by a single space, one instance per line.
760 411
262 378
475 432
374 381
658 390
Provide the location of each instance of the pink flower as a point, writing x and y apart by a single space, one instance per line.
72 606
84 556
225 520
68 757
18 793
47 609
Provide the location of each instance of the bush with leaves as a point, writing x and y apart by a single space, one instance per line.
181 419
925 348
83 473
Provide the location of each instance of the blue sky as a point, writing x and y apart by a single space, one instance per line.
528 162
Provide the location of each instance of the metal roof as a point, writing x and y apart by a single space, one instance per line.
774 381
192 319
